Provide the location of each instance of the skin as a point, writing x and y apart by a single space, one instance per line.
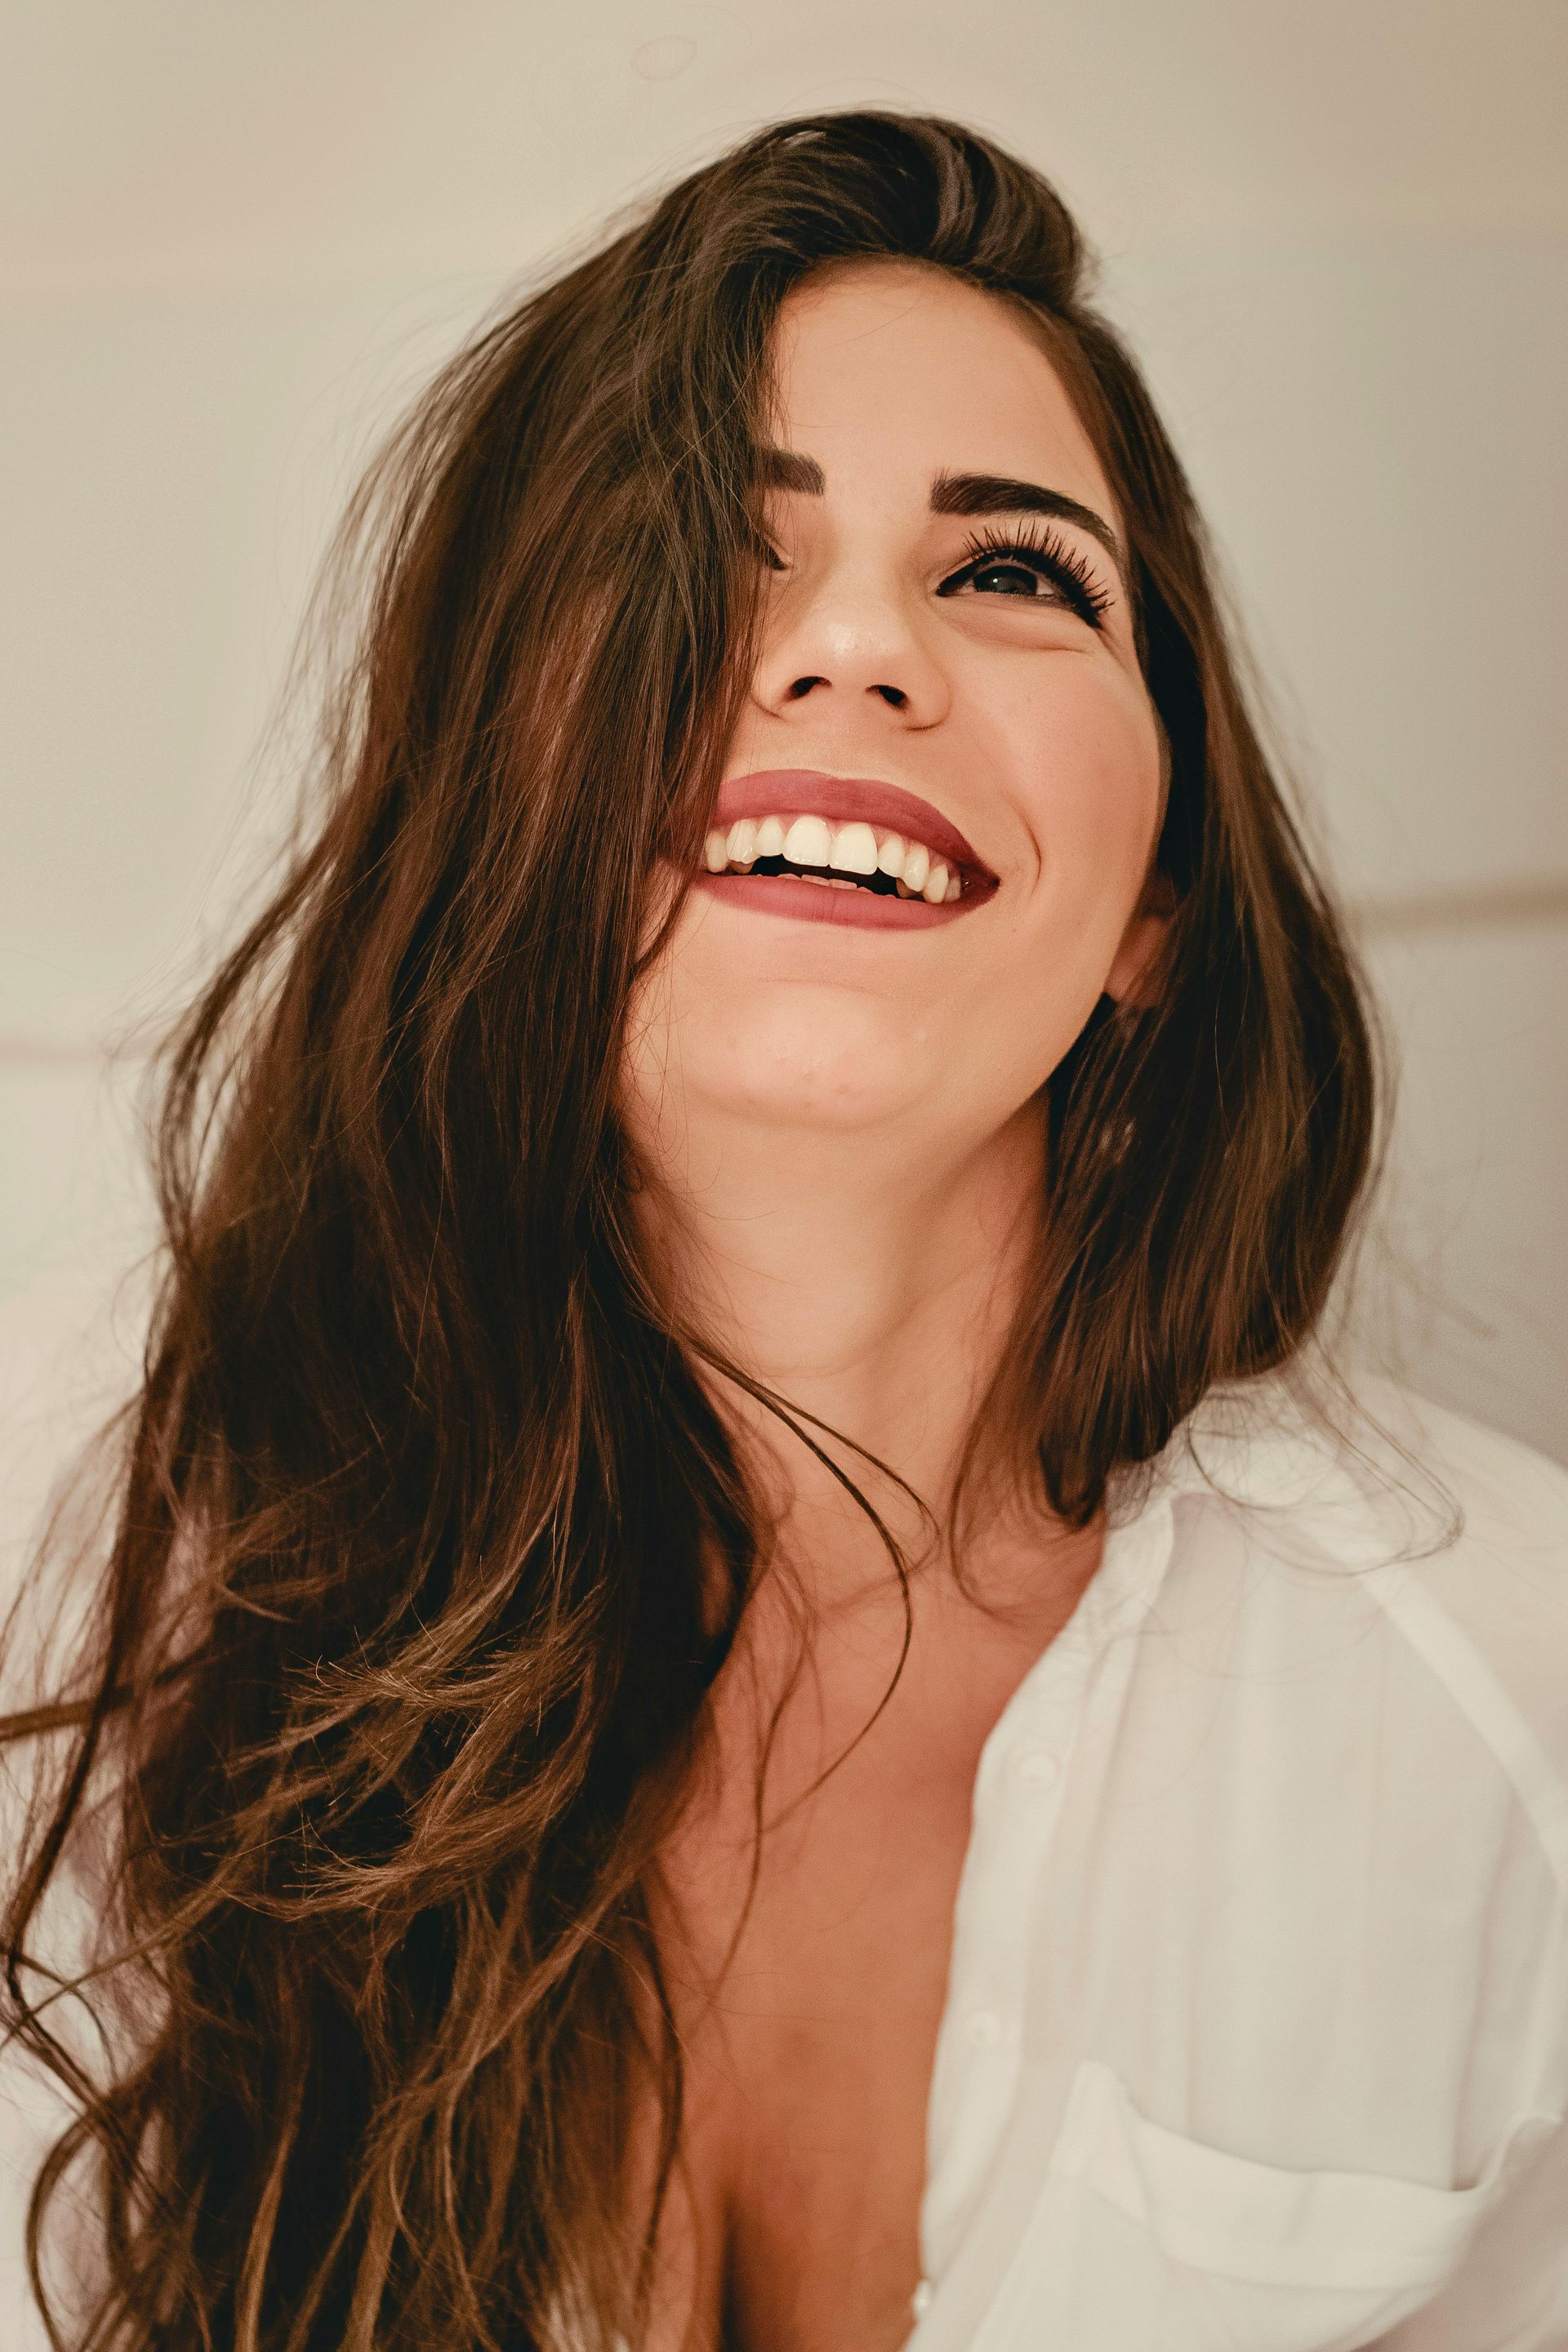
848 1136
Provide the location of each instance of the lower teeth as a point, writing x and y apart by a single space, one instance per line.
772 870
878 886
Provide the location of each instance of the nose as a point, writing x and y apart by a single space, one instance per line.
853 645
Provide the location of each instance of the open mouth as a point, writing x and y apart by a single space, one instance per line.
789 890
799 843
880 886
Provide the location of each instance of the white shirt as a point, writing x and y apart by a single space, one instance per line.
1257 2026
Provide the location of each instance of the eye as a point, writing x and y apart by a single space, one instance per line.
1038 566
1003 579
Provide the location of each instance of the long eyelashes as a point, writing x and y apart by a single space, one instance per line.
1041 550
1037 548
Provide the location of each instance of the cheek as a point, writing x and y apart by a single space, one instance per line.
1080 760
1084 775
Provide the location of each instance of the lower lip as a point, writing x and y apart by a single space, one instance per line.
819 902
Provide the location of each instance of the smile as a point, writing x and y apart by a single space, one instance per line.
840 849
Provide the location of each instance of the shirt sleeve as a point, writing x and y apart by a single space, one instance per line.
1494 1611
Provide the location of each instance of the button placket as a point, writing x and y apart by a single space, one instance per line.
1018 1796
1035 1770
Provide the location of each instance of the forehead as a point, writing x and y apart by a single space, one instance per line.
890 366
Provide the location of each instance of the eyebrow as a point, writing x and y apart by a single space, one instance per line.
956 494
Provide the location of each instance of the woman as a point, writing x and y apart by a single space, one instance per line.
742 1699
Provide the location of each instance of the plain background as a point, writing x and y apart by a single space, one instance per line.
235 239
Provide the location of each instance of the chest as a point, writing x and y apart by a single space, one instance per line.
808 2072
809 1999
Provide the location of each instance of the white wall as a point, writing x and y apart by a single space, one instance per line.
233 237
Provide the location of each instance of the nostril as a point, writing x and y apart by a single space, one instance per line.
803 686
893 694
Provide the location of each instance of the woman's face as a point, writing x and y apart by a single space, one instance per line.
907 644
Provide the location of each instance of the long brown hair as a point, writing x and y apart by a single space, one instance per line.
405 1635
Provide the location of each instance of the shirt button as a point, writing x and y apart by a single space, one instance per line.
1036 1768
920 2302
983 2029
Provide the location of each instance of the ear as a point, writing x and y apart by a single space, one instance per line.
1141 940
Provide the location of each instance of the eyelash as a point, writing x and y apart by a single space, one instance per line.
1041 550
1044 550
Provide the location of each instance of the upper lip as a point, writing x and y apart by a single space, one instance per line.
808 792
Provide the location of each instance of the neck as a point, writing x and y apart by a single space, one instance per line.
876 1294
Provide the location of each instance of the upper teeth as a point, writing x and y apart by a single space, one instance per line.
854 848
